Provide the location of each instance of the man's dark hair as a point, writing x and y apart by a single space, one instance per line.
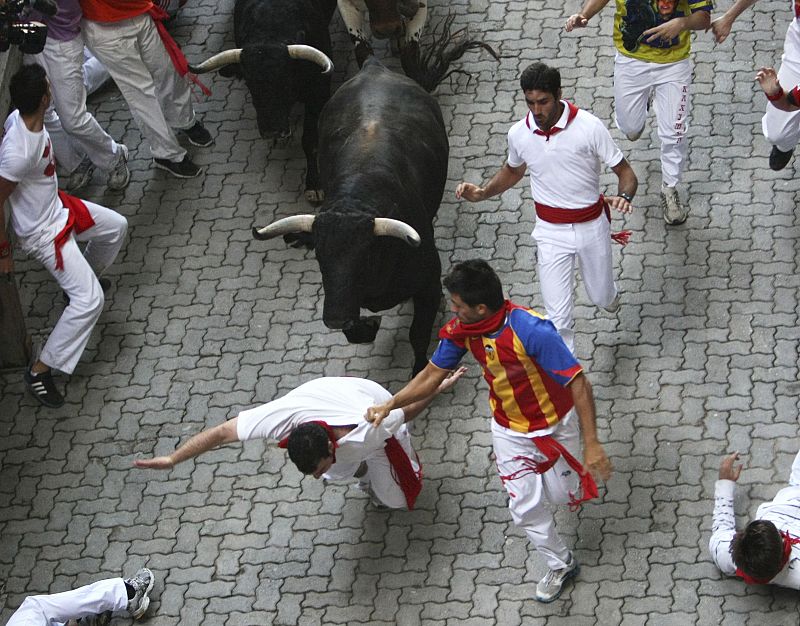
27 87
307 446
475 283
541 77
758 550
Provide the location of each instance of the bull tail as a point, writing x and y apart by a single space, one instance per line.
428 62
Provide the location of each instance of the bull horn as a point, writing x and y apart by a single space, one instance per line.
309 53
218 61
386 227
285 226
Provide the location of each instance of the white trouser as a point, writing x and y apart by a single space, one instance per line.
95 73
63 62
380 476
780 127
530 494
634 80
58 608
558 246
158 97
78 279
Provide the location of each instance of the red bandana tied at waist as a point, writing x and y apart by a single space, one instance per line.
788 542
458 331
173 49
410 481
79 219
552 450
556 215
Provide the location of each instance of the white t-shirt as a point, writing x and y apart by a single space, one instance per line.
565 166
26 158
335 401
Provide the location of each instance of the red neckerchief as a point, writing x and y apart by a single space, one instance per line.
457 331
788 542
173 49
284 443
552 450
410 481
78 219
573 111
797 8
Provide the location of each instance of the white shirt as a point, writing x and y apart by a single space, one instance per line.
335 401
565 166
26 158
783 511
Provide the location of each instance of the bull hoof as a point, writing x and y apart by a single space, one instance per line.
315 196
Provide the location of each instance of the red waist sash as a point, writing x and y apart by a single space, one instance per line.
78 220
556 215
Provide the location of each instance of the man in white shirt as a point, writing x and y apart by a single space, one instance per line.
767 550
48 224
322 424
563 148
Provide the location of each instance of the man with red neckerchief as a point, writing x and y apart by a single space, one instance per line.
538 395
322 425
563 147
144 61
767 550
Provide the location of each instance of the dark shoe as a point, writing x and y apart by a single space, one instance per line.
105 285
81 176
44 389
179 169
197 135
778 159
142 584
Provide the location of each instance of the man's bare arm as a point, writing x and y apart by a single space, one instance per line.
503 180
721 27
589 10
418 389
201 442
669 30
595 459
627 184
415 408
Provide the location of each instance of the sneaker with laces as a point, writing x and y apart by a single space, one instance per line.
81 175
44 389
778 159
550 587
179 169
197 135
674 212
120 176
142 584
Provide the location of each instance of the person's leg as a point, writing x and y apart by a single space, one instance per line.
527 498
672 105
631 91
595 260
105 238
104 595
381 477
95 74
555 259
561 482
64 63
172 90
781 128
68 155
116 45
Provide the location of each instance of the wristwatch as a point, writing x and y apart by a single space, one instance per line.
5 249
627 196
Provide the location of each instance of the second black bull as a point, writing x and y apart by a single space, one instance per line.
383 155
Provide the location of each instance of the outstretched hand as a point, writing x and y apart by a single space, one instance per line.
721 28
728 470
767 77
452 379
158 463
575 21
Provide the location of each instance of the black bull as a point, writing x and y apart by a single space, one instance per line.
383 154
283 53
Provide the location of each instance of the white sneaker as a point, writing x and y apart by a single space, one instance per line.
81 175
120 176
549 588
674 212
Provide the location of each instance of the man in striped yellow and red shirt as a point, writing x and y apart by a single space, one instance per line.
541 401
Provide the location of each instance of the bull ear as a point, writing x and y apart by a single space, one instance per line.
387 227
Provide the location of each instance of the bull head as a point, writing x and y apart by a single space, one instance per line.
384 227
295 51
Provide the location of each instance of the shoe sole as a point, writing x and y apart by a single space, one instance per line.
675 222
122 186
569 577
145 602
200 170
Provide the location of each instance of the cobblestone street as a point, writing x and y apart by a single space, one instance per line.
202 321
